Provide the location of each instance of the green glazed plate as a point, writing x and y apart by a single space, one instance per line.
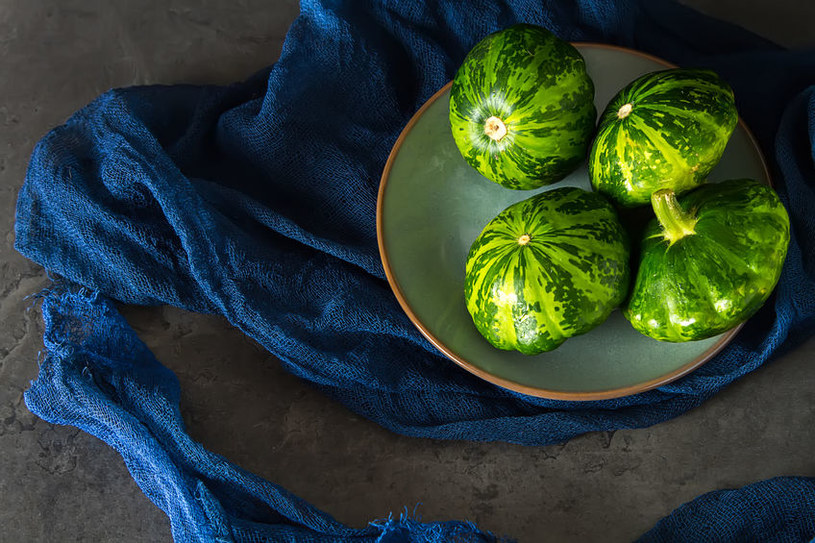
431 207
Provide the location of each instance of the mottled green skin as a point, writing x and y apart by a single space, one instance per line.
676 132
708 282
538 85
565 281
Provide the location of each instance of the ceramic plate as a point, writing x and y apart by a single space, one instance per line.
432 205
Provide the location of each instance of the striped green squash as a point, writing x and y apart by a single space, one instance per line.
545 269
522 107
667 129
709 260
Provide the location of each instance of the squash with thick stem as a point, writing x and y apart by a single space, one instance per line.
709 260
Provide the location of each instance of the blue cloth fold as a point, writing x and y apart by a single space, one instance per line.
779 510
101 378
98 376
257 201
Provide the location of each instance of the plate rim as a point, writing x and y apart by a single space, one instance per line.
509 384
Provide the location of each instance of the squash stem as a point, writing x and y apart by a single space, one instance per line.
495 128
676 223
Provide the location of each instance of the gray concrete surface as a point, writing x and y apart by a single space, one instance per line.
58 484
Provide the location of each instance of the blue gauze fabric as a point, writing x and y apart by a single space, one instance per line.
780 510
257 201
99 377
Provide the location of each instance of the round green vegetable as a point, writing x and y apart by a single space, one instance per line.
709 260
665 130
546 269
522 107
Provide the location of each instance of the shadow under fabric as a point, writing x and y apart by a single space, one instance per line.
257 201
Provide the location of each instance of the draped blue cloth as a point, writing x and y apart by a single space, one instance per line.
257 201
779 510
